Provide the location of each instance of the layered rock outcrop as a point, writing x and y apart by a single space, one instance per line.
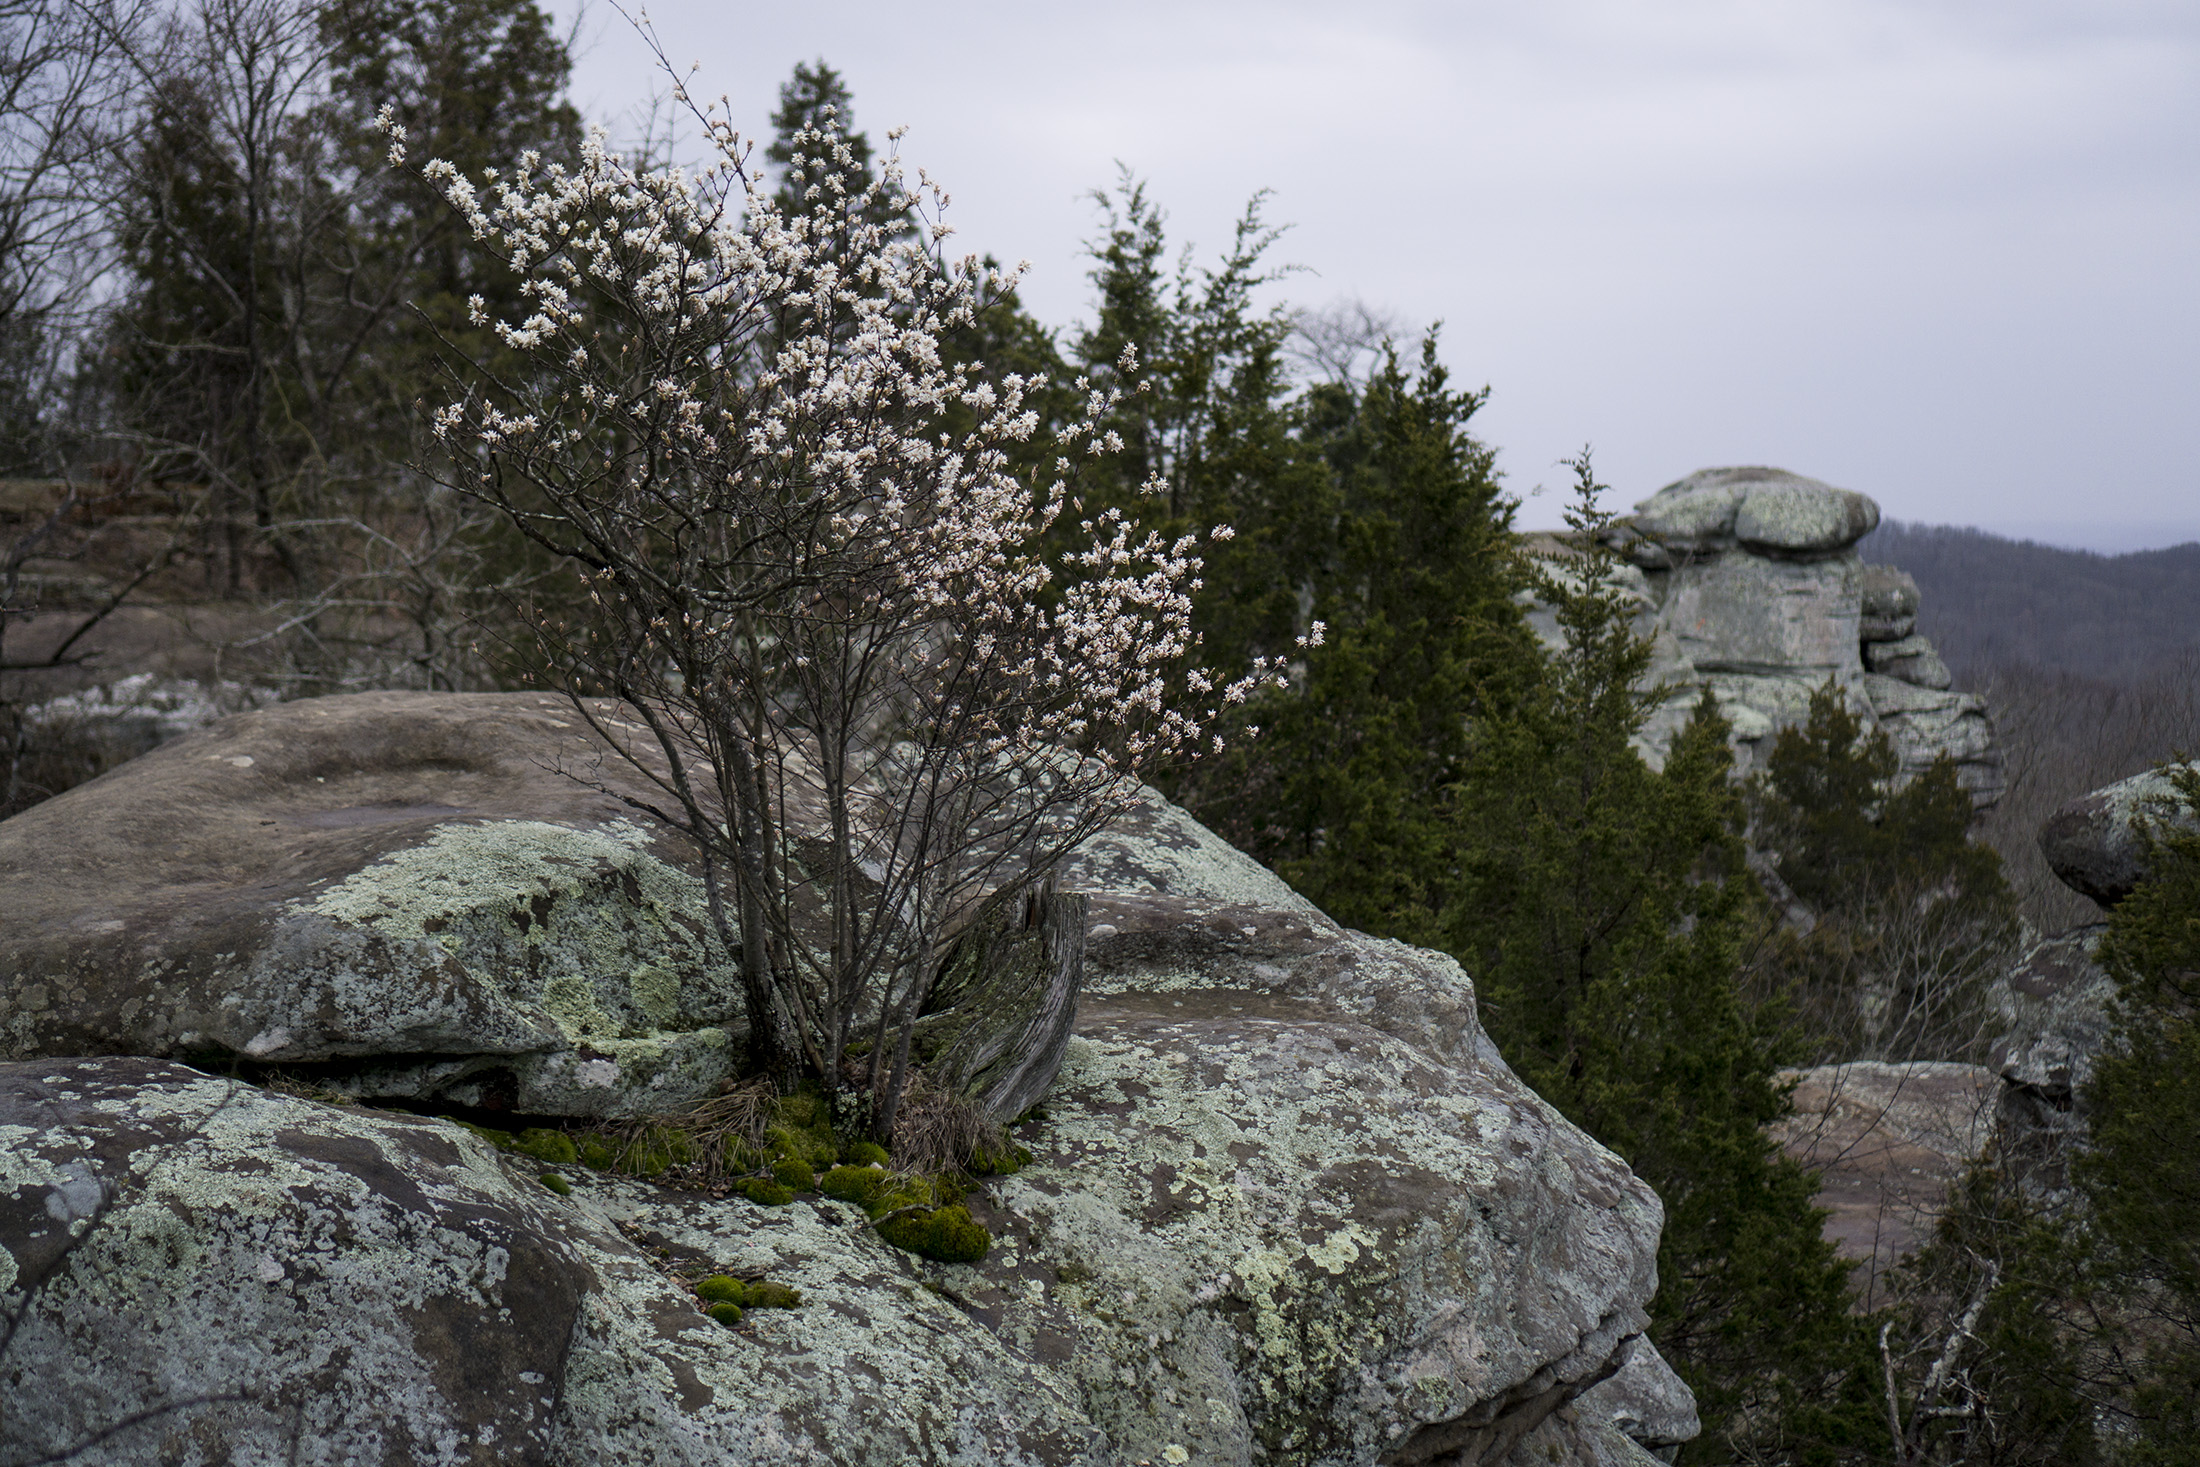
1750 582
1288 1204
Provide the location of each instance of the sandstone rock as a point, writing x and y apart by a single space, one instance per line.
1888 1140
1288 1206
1228 1025
210 1273
1749 584
1803 516
2093 843
1646 1402
1927 724
1910 659
1890 604
1749 614
2051 1009
421 888
1767 510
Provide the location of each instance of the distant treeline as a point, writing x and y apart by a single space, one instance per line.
1989 603
2090 665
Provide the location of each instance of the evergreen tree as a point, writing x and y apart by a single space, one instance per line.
1403 551
1603 908
1913 917
2140 1177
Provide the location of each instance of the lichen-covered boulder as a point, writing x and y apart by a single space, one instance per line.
1286 1205
209 1273
2094 843
1297 1205
441 894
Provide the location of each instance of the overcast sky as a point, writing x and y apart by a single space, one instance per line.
1946 252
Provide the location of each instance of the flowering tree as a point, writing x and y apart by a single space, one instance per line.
876 708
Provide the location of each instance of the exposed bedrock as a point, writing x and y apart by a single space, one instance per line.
1287 1206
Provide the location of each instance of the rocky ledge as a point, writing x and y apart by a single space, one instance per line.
1287 1204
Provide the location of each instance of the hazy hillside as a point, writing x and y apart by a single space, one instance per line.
1991 602
2090 665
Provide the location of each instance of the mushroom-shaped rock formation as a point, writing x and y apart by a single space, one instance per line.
1751 584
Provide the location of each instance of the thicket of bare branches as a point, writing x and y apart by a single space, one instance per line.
878 705
2066 735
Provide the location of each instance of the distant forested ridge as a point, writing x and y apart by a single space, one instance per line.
1989 602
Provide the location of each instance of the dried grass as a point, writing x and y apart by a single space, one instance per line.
742 1113
939 1131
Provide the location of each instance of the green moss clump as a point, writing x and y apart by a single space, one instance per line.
741 1156
763 1192
903 1192
863 1153
804 1128
764 1294
794 1173
556 1184
987 1162
761 1294
722 1290
728 1315
812 1148
554 1147
858 1184
946 1235
597 1152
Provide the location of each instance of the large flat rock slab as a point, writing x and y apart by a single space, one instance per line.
442 889
1888 1141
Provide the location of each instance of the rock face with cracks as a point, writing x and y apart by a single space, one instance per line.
1751 585
1287 1205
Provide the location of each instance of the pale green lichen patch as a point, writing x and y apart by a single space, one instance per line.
432 1291
1312 1220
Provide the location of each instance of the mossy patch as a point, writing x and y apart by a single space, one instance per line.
946 1235
748 1293
728 1315
556 1184
763 1191
863 1153
554 1147
858 1184
1004 1162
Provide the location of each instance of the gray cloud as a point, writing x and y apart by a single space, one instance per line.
1942 251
